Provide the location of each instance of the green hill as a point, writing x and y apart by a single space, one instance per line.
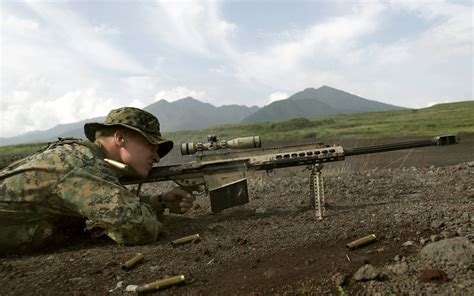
315 103
436 120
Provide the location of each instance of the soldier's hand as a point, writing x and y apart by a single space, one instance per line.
178 201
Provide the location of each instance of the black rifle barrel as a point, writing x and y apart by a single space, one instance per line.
436 141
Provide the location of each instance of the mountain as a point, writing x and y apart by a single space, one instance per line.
189 113
314 103
62 130
186 113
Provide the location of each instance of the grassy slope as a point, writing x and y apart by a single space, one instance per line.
21 149
436 120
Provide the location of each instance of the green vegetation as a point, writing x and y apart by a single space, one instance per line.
20 149
437 120
9 154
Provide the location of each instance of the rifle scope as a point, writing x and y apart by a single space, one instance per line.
214 144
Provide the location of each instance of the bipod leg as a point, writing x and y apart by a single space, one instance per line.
316 189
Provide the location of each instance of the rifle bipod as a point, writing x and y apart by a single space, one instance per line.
316 190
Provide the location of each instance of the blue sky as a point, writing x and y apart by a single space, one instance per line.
64 61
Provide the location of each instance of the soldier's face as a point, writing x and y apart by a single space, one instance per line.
139 154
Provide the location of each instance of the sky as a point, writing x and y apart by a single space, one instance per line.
65 61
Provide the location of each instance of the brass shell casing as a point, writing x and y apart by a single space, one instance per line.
186 239
117 164
162 284
133 261
361 242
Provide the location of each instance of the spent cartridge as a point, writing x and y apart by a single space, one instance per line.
186 239
133 261
361 242
117 164
161 284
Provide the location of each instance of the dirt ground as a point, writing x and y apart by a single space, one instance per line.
413 201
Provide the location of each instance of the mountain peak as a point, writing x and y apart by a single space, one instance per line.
324 88
315 103
187 99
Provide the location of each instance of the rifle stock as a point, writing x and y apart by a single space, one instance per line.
224 175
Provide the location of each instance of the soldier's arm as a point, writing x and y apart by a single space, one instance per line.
98 197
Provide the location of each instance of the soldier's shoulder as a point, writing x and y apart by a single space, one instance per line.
75 151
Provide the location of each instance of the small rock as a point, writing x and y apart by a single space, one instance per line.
447 234
408 244
457 251
463 230
366 273
196 206
338 279
155 268
216 228
437 224
470 237
415 196
269 273
399 268
131 288
434 238
433 274
396 258
470 164
260 211
118 286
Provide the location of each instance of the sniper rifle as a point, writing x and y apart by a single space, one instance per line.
224 175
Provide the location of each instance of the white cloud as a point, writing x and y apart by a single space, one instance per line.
19 25
22 113
140 89
57 62
106 29
53 66
221 69
81 40
344 52
193 26
180 92
277 96
302 62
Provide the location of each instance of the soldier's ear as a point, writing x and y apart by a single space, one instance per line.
119 138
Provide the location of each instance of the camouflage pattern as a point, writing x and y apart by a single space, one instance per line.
135 119
69 181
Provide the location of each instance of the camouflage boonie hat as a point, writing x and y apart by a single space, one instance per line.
136 119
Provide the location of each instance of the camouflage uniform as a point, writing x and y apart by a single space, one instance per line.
70 181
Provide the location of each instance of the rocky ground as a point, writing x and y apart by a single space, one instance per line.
422 213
